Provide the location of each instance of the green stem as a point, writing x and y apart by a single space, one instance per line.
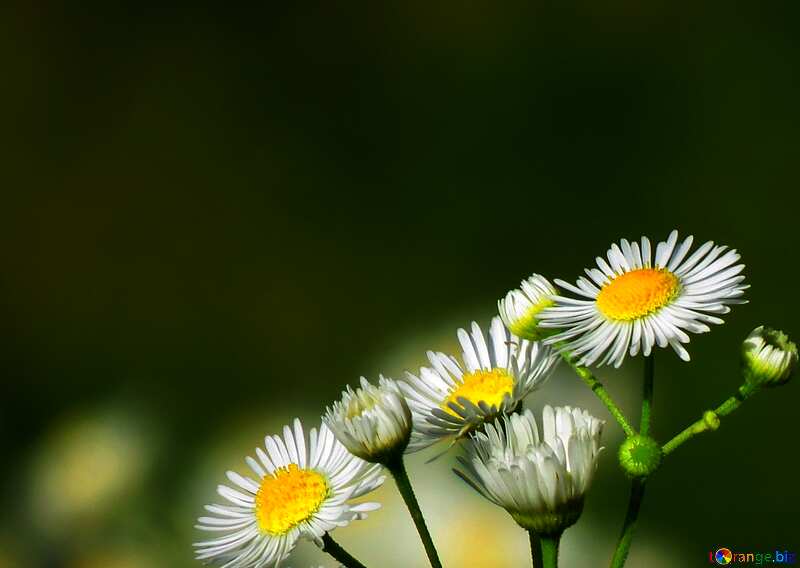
710 419
637 485
549 545
339 554
647 399
625 538
536 550
597 387
398 470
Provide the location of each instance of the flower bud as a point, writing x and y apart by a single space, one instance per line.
640 456
372 422
539 477
768 357
520 307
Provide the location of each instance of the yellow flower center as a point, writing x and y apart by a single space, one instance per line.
288 497
487 386
637 293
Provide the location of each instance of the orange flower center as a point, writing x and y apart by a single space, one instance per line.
637 293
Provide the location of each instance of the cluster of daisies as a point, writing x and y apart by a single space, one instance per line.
303 483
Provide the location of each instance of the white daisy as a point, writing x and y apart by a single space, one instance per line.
373 423
300 490
521 306
631 303
450 400
769 357
541 480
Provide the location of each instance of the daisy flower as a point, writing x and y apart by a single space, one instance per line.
451 399
630 302
521 306
540 479
302 488
373 422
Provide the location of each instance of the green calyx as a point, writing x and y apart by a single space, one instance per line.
640 456
527 327
550 522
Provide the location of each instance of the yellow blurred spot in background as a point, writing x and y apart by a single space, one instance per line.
84 465
114 559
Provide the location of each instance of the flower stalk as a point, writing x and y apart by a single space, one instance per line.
398 470
631 518
549 546
536 549
598 389
339 554
648 454
710 419
647 398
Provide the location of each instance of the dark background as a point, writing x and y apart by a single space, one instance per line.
213 220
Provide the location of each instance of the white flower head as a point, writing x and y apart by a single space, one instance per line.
630 302
768 356
302 489
373 422
450 399
521 306
540 479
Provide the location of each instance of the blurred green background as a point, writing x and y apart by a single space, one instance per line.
214 219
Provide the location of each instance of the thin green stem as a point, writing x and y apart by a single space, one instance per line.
536 549
647 399
549 545
625 538
340 554
597 387
398 470
637 485
710 418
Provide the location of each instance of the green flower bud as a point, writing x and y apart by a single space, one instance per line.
640 455
768 357
520 308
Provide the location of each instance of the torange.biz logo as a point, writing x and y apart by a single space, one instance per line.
725 556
